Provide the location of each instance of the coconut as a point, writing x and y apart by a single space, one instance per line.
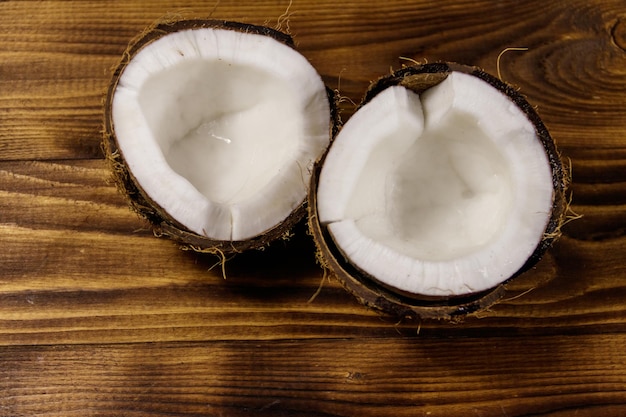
212 128
442 187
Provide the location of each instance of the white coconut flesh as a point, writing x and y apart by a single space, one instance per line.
440 194
220 128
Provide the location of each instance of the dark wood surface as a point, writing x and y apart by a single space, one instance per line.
100 318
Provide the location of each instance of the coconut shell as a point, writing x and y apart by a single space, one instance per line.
161 223
389 301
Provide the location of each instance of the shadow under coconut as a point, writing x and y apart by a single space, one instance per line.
285 269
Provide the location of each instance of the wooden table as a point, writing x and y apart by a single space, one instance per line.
99 317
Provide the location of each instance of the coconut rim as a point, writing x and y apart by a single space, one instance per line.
161 222
378 296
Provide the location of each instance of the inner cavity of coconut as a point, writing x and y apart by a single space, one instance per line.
226 128
446 193
220 129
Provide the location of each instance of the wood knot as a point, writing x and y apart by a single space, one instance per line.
618 33
354 377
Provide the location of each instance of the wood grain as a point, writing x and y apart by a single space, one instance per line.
298 378
99 317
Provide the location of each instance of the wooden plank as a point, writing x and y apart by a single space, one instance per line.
56 58
550 375
63 195
85 286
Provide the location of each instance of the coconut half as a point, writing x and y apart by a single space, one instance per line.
213 128
441 187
